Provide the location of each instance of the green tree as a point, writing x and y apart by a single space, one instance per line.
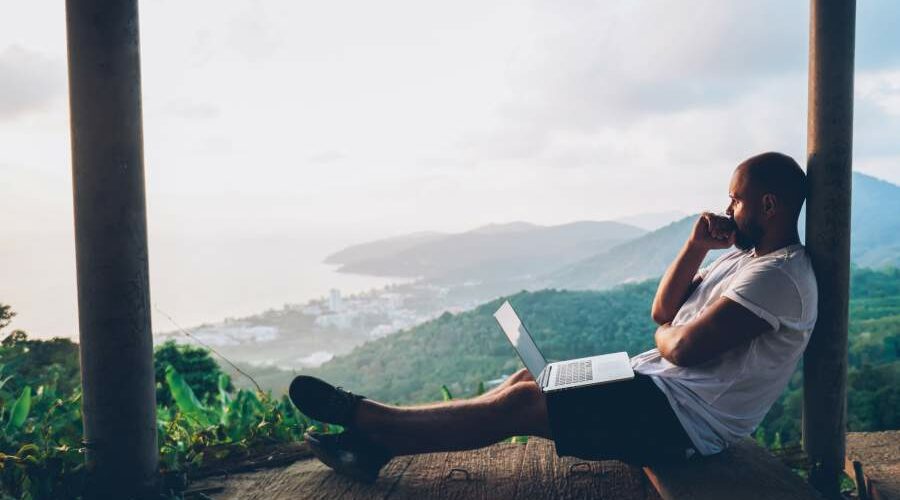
6 315
194 364
51 363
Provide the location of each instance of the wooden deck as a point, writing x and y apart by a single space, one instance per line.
879 454
500 471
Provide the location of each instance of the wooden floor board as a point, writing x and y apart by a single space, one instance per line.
501 471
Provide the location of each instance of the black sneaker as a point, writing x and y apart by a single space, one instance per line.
322 401
349 454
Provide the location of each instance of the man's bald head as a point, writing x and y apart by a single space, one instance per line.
777 174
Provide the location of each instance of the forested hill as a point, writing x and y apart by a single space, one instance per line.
464 349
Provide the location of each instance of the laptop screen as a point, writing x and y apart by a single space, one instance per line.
519 337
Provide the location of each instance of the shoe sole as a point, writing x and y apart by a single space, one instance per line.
343 468
295 394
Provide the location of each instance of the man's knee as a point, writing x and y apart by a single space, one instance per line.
520 396
524 409
521 375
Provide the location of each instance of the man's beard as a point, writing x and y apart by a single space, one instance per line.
747 237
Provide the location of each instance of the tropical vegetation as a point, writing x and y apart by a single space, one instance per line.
202 418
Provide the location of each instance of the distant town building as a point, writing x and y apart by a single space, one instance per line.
334 300
311 310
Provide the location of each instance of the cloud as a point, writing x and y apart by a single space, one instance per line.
29 81
191 110
877 36
596 77
876 111
326 157
881 89
250 33
605 63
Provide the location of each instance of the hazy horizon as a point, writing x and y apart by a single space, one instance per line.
277 132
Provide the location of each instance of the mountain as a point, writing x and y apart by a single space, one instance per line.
874 222
510 227
497 260
652 221
382 248
875 242
639 259
494 253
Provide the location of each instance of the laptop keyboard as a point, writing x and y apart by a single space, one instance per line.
577 371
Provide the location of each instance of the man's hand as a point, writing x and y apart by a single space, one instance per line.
712 232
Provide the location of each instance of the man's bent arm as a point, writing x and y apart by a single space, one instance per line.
678 283
710 232
722 326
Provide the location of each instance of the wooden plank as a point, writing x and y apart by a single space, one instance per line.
314 480
620 480
540 461
544 474
240 486
497 472
308 479
382 488
743 471
488 473
879 454
421 478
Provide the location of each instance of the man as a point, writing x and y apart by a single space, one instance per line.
729 337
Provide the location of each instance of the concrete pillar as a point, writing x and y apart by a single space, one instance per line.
119 402
829 156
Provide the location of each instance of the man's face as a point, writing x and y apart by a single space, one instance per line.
746 210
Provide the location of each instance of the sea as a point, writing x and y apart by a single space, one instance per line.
194 278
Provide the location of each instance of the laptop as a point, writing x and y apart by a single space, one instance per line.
561 375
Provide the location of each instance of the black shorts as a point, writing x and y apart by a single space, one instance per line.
630 421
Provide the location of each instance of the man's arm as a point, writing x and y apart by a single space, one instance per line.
678 283
722 326
710 232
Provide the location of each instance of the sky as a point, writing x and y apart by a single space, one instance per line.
276 132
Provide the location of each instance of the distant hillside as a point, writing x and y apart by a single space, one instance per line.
640 259
491 253
464 349
875 222
652 221
382 248
875 242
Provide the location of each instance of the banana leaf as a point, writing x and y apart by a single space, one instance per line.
5 380
224 397
19 411
185 398
243 413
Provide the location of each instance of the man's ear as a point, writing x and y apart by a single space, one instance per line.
769 203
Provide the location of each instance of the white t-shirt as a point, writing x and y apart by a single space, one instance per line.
724 399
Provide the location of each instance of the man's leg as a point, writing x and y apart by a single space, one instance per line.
520 376
518 408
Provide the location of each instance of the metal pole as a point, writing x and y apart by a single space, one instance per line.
829 156
119 401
